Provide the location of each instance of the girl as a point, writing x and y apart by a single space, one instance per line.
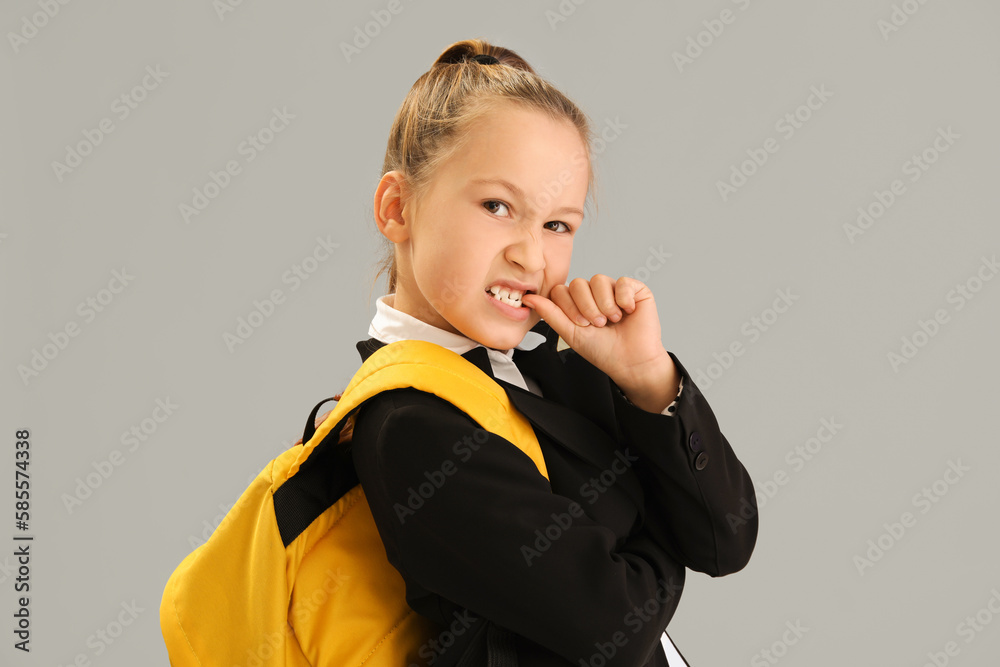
486 174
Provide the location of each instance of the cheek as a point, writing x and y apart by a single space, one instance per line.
452 273
557 261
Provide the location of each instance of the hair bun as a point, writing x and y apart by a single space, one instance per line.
480 51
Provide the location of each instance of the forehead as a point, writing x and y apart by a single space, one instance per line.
526 149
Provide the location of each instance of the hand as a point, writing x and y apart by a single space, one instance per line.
627 347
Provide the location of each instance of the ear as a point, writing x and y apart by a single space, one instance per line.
389 203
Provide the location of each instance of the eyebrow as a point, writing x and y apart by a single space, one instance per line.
520 193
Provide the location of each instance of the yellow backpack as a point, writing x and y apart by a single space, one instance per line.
296 574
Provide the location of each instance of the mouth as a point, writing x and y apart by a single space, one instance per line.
505 295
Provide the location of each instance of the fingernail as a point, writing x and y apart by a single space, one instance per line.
601 321
583 322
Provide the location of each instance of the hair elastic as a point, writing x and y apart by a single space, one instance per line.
485 59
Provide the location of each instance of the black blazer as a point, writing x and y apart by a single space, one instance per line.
587 565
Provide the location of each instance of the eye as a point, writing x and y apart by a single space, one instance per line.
569 229
494 201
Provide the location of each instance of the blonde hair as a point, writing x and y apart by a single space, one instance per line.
434 119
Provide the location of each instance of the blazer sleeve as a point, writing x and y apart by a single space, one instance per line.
700 500
466 515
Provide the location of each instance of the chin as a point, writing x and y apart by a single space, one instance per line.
504 342
507 336
500 344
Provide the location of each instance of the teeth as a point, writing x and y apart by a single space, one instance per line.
510 297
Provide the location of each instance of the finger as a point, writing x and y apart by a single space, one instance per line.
625 290
552 314
562 297
583 297
604 288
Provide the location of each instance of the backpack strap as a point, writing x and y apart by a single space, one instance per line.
310 429
434 369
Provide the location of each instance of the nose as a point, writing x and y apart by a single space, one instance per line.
527 252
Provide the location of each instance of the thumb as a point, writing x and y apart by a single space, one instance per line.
553 315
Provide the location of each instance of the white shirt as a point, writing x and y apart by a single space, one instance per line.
390 325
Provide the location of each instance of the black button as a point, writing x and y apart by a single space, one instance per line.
701 461
694 442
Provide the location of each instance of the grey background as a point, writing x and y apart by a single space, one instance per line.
825 357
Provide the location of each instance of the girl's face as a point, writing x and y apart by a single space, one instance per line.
470 231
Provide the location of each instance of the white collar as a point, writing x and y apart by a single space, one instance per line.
390 325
